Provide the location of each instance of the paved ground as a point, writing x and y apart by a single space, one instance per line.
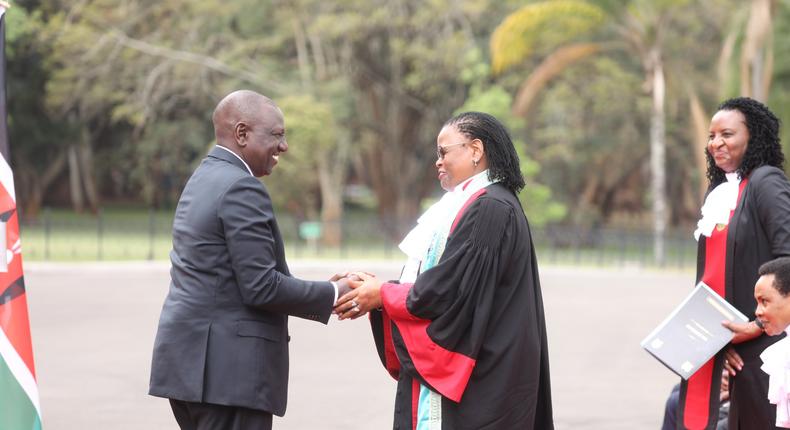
93 327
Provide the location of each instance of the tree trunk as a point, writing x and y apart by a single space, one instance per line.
331 178
757 51
301 52
40 183
33 201
699 120
398 164
88 179
657 158
331 215
75 187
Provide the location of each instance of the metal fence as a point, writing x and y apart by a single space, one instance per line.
147 236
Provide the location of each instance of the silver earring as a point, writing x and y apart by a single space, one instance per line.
475 162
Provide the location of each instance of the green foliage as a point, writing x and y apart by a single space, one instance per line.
19 26
157 164
365 85
539 28
311 132
779 99
588 130
536 198
35 136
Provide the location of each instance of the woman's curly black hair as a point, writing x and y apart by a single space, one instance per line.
763 148
503 164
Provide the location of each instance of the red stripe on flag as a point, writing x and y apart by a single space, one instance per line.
15 325
13 315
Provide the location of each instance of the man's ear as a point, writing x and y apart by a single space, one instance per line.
240 132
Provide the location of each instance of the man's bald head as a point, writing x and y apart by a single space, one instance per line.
251 126
238 106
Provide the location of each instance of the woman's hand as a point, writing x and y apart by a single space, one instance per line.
743 331
733 363
362 299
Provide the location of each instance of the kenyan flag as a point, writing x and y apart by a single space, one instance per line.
19 408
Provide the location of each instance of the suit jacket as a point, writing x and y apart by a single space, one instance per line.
223 332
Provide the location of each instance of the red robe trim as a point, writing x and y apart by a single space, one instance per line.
469 201
390 356
415 402
445 371
696 412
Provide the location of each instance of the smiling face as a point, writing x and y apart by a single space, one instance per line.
455 155
728 138
262 140
773 309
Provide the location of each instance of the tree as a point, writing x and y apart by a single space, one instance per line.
587 137
536 198
403 66
552 30
756 65
38 141
307 182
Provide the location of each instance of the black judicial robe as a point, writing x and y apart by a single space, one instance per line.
472 327
759 231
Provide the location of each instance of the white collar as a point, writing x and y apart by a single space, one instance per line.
718 205
237 156
440 216
776 363
478 178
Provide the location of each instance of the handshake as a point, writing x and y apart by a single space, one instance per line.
358 293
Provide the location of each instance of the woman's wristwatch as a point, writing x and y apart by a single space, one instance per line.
759 324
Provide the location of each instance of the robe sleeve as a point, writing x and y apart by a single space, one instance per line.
381 325
442 319
772 198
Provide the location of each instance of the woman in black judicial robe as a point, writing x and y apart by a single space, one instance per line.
744 139
470 328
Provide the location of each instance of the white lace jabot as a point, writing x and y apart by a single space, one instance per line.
440 215
435 221
718 205
776 363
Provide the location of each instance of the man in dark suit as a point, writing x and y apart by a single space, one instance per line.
221 350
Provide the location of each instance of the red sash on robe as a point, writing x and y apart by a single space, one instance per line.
696 410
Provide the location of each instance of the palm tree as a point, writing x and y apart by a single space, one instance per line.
559 32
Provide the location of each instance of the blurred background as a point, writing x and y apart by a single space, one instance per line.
608 102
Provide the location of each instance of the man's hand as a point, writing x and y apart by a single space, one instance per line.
345 283
338 276
724 390
743 331
343 288
362 299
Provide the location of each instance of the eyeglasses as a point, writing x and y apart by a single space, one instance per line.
441 151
